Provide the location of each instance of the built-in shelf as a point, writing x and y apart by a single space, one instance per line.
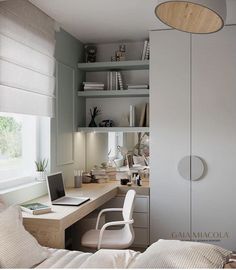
119 65
113 129
114 93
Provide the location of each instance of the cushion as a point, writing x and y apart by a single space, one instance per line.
18 248
180 254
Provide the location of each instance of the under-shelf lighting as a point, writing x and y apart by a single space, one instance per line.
193 16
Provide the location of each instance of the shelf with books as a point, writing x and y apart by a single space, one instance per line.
104 80
113 129
114 93
114 66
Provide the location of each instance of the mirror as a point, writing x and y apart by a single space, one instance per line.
117 149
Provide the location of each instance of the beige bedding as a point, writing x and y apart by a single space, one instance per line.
162 254
61 258
104 258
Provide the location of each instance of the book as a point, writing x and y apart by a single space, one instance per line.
113 80
120 81
93 86
144 49
98 172
102 181
132 116
93 83
110 169
116 81
100 177
142 116
147 115
137 86
108 81
36 208
147 54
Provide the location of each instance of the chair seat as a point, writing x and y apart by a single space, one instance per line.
115 239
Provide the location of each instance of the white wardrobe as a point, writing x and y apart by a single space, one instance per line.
193 113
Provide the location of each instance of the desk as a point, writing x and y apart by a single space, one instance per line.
49 229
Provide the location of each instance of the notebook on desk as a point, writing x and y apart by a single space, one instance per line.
56 191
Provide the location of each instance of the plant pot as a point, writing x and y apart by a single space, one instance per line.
41 176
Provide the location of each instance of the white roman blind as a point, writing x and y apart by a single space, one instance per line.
27 43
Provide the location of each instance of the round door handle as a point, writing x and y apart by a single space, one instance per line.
191 168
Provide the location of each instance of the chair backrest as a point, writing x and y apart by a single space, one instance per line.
128 206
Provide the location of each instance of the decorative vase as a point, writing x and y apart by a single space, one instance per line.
40 176
92 123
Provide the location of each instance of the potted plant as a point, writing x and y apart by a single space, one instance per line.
41 167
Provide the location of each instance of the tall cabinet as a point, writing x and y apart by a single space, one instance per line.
193 113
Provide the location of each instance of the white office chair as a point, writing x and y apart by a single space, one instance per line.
114 239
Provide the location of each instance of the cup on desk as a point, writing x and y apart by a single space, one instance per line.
78 178
124 181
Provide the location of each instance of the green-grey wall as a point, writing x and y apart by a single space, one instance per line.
68 52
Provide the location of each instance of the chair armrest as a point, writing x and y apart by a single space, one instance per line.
113 223
104 211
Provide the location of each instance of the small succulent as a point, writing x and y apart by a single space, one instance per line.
41 165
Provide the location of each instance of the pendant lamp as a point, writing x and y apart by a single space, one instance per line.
193 16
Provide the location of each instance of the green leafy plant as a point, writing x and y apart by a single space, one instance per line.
41 165
10 138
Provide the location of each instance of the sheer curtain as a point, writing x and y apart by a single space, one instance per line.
27 43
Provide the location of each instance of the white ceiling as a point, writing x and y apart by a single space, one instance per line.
99 21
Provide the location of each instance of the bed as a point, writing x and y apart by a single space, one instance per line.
162 254
19 249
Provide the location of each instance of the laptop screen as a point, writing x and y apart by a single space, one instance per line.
56 186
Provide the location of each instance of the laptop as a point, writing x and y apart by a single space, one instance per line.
57 194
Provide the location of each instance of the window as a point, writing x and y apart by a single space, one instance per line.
18 146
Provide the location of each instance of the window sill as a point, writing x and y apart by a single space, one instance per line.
23 193
21 187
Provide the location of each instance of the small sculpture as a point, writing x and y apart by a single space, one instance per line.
90 52
119 54
94 114
106 123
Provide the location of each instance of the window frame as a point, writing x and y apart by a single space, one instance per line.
15 182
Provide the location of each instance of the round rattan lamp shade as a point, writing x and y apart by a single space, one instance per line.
196 16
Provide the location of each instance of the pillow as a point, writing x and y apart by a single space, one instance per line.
18 248
178 254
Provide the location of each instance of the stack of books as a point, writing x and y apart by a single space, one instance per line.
92 86
36 208
137 86
111 173
146 50
99 175
114 81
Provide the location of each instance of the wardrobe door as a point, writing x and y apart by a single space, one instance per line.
169 134
214 136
